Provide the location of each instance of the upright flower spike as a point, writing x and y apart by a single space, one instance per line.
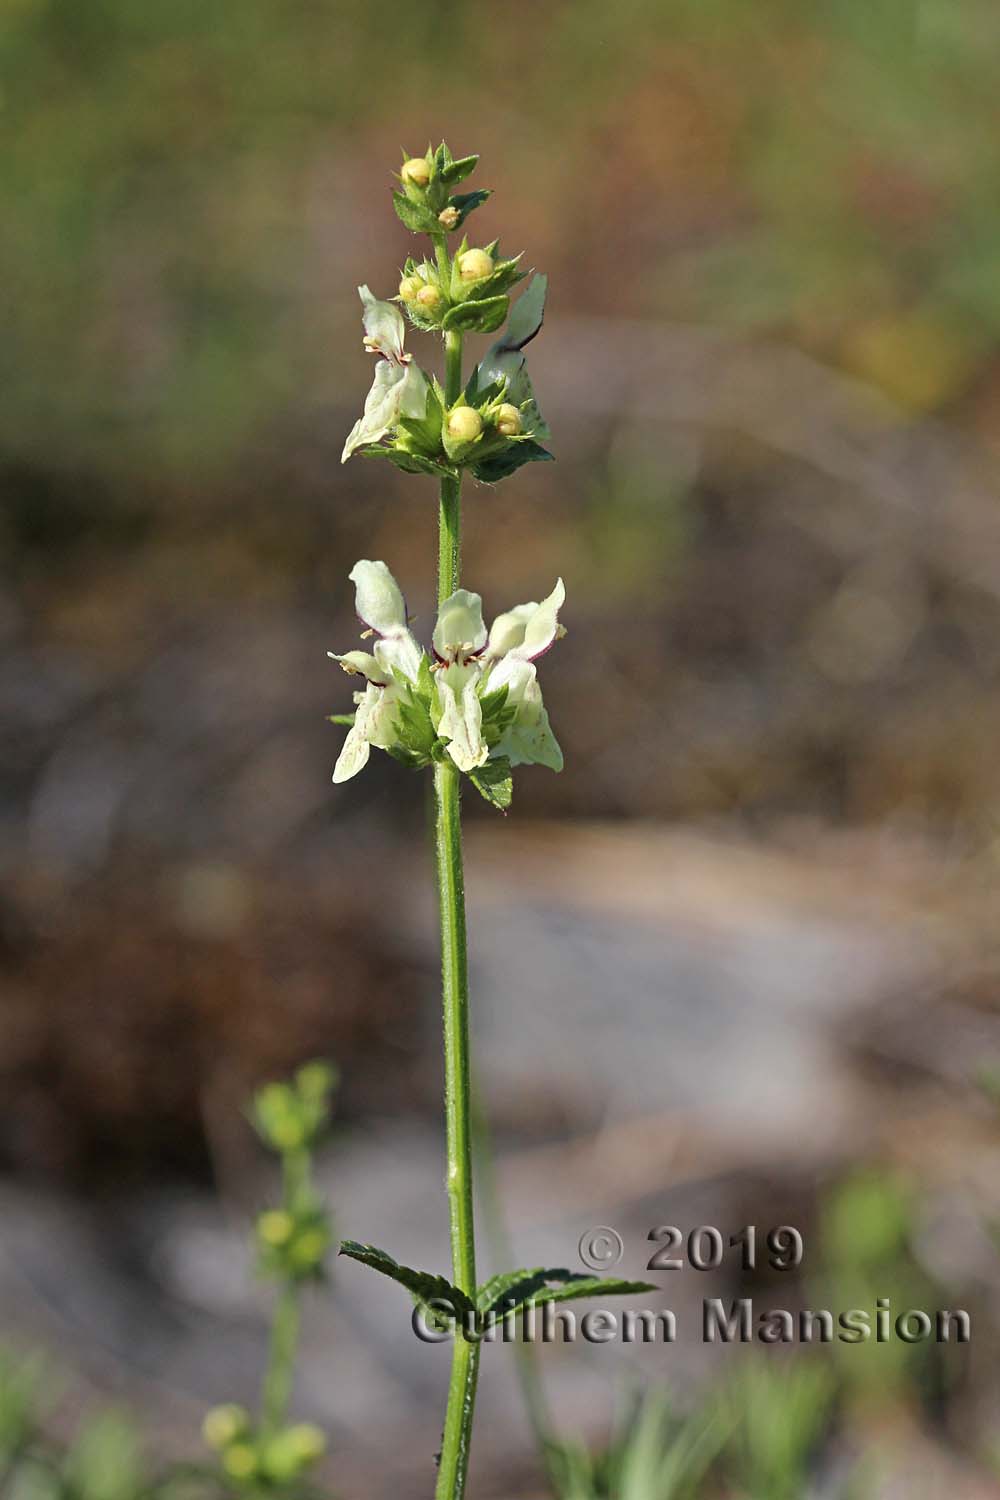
472 706
399 388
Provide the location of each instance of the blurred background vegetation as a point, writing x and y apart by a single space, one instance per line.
771 369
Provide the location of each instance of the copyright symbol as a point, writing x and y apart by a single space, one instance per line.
600 1248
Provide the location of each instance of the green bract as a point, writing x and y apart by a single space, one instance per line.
477 701
426 204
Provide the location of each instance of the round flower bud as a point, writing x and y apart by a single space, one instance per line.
308 1250
428 297
240 1461
473 265
317 1079
464 424
409 287
449 217
275 1227
416 171
508 420
307 1441
289 1452
224 1424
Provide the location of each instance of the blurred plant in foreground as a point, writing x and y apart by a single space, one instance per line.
102 1461
266 1456
779 1414
269 1454
657 1455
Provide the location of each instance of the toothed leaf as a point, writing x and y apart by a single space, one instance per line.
410 463
457 171
532 1288
494 782
423 1286
499 465
465 203
416 216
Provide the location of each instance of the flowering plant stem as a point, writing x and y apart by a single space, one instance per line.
455 1001
281 1359
450 508
285 1324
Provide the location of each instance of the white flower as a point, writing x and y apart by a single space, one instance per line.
517 639
470 665
382 610
399 388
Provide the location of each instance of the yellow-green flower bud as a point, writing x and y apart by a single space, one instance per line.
275 1227
409 287
449 217
289 1452
464 424
309 1249
317 1079
428 297
508 420
473 265
240 1461
416 171
224 1424
307 1441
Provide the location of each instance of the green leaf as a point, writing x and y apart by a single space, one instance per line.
494 782
505 361
492 702
480 316
527 315
416 217
498 715
424 1286
516 1289
413 723
592 1286
495 1292
425 431
466 202
498 465
410 463
457 171
347 720
480 396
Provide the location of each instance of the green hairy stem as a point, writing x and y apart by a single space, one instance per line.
455 1007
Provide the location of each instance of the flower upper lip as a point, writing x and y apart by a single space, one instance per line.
399 387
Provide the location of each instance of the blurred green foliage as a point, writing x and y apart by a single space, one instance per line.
101 1461
779 1416
656 1454
870 1220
